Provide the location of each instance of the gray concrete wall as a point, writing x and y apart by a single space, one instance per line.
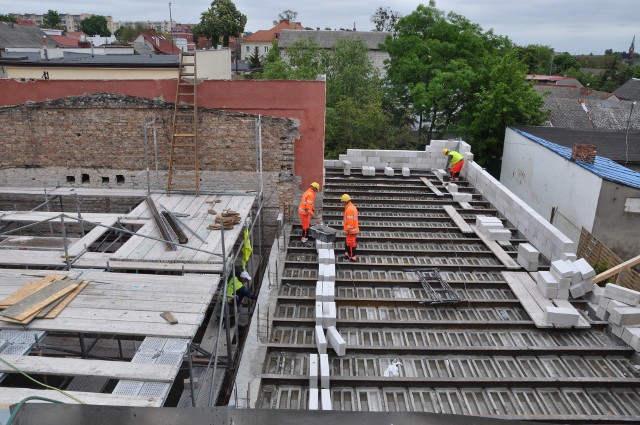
618 229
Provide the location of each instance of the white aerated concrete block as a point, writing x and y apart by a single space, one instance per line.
323 245
587 285
313 371
321 340
319 314
528 252
563 294
440 173
625 295
601 313
327 272
562 316
546 278
313 399
613 304
325 372
564 283
499 234
368 171
561 269
328 314
329 291
406 172
462 197
625 316
452 188
326 256
577 290
629 333
388 171
336 341
584 268
530 266
617 330
596 294
568 256
319 294
347 167
325 394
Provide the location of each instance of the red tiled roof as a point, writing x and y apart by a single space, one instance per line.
75 34
25 22
270 35
160 43
65 41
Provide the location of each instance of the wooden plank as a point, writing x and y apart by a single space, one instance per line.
617 269
95 368
465 205
497 250
29 289
121 315
530 298
582 323
457 219
431 186
37 301
91 237
32 258
14 395
65 301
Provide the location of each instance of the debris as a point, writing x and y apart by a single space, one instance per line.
169 317
393 369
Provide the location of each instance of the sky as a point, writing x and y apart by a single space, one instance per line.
574 26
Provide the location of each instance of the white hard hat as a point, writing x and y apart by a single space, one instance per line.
245 275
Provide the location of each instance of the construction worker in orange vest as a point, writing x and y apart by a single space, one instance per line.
307 209
350 226
455 162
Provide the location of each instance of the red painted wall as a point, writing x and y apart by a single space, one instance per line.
301 100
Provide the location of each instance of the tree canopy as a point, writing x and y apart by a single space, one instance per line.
221 20
287 15
254 60
51 19
385 19
8 18
127 34
95 25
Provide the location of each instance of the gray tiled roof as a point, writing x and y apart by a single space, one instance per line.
610 143
629 90
327 39
608 114
570 92
84 59
14 35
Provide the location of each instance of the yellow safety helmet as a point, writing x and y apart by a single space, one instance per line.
345 198
445 151
315 185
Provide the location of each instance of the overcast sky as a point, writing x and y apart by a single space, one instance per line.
576 26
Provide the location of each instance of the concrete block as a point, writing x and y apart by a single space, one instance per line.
313 399
326 256
440 173
368 171
319 314
619 293
568 256
468 156
321 340
388 171
530 266
561 269
601 313
617 330
584 268
625 316
327 272
329 291
336 341
325 372
313 371
346 172
546 278
613 304
564 283
406 172
319 294
328 314
563 294
577 290
587 285
499 234
528 252
596 294
325 395
323 245
452 188
629 333
563 316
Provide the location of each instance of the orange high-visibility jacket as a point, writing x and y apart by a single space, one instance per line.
306 203
350 219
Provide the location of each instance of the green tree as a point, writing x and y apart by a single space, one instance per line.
51 19
564 62
536 57
221 20
385 19
254 59
287 15
95 25
127 34
8 18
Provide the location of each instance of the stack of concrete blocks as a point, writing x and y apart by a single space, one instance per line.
541 234
619 305
582 279
549 286
388 171
561 316
528 257
492 228
346 167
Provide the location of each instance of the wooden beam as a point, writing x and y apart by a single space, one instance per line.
497 250
95 368
617 269
531 299
431 186
457 219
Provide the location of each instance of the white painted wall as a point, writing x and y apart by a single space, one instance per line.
545 180
214 64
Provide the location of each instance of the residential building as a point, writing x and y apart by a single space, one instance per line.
602 197
264 39
23 36
158 42
68 21
629 90
558 80
328 39
163 26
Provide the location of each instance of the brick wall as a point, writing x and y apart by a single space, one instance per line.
101 137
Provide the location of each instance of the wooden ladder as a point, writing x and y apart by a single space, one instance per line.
184 171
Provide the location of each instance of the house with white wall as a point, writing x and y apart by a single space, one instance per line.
264 39
603 197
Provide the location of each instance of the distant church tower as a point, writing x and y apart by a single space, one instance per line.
631 50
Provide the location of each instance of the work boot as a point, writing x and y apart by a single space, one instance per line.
304 240
353 259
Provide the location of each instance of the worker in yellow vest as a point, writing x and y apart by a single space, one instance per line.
455 161
306 210
236 283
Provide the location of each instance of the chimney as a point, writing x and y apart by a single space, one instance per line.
584 153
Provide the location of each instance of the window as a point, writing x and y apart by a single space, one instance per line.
266 49
248 49
85 179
